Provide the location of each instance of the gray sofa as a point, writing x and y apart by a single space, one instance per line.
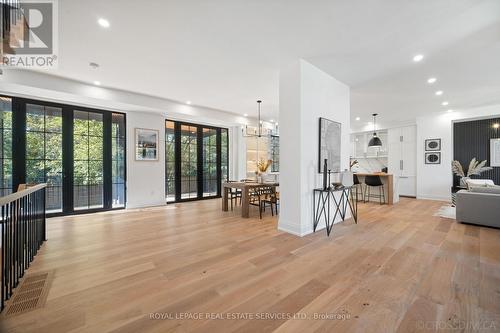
480 205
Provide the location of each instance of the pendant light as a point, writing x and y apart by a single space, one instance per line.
260 131
375 141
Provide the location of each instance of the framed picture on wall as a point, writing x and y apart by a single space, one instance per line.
146 144
432 144
495 152
330 137
433 158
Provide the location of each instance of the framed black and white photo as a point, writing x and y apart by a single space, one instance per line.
433 158
330 137
432 144
495 152
146 144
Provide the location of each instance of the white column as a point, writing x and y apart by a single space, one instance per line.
306 94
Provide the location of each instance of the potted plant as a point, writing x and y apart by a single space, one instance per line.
475 168
353 163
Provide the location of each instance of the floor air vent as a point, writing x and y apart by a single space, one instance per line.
30 294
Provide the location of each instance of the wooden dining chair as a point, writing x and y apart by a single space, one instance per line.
272 199
264 196
234 195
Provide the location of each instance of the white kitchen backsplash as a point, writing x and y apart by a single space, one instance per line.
367 165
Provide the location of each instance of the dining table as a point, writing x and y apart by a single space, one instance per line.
245 188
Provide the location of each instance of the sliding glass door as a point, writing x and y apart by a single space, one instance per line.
195 160
118 159
189 162
210 162
88 156
78 152
44 157
170 161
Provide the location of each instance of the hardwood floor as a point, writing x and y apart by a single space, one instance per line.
401 269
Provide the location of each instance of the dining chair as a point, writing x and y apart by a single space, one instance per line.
273 199
234 194
265 196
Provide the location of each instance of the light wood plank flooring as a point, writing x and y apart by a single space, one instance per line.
401 269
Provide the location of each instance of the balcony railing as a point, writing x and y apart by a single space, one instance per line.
23 233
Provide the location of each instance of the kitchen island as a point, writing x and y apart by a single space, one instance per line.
391 194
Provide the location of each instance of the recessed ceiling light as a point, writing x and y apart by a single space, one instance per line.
188 102
450 111
357 118
439 93
418 57
103 22
276 124
245 115
97 83
445 103
431 80
272 120
93 65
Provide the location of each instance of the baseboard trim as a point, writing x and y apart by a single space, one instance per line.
435 198
145 205
286 228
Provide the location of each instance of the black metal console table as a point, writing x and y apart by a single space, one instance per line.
327 202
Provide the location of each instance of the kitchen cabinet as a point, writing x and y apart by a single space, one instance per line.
359 145
402 158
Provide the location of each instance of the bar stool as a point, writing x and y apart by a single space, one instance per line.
358 185
374 181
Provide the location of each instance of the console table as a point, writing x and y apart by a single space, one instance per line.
326 202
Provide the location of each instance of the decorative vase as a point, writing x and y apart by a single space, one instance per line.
259 178
347 178
325 180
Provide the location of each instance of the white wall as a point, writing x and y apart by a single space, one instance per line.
306 94
145 179
238 154
434 181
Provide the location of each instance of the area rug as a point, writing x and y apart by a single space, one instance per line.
447 211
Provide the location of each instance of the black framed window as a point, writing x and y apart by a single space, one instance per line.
189 161
224 151
118 159
44 152
194 161
170 161
88 164
275 153
6 146
209 162
79 152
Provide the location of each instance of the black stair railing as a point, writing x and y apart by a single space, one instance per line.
22 234
10 14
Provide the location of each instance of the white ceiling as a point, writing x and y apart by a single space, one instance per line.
227 54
